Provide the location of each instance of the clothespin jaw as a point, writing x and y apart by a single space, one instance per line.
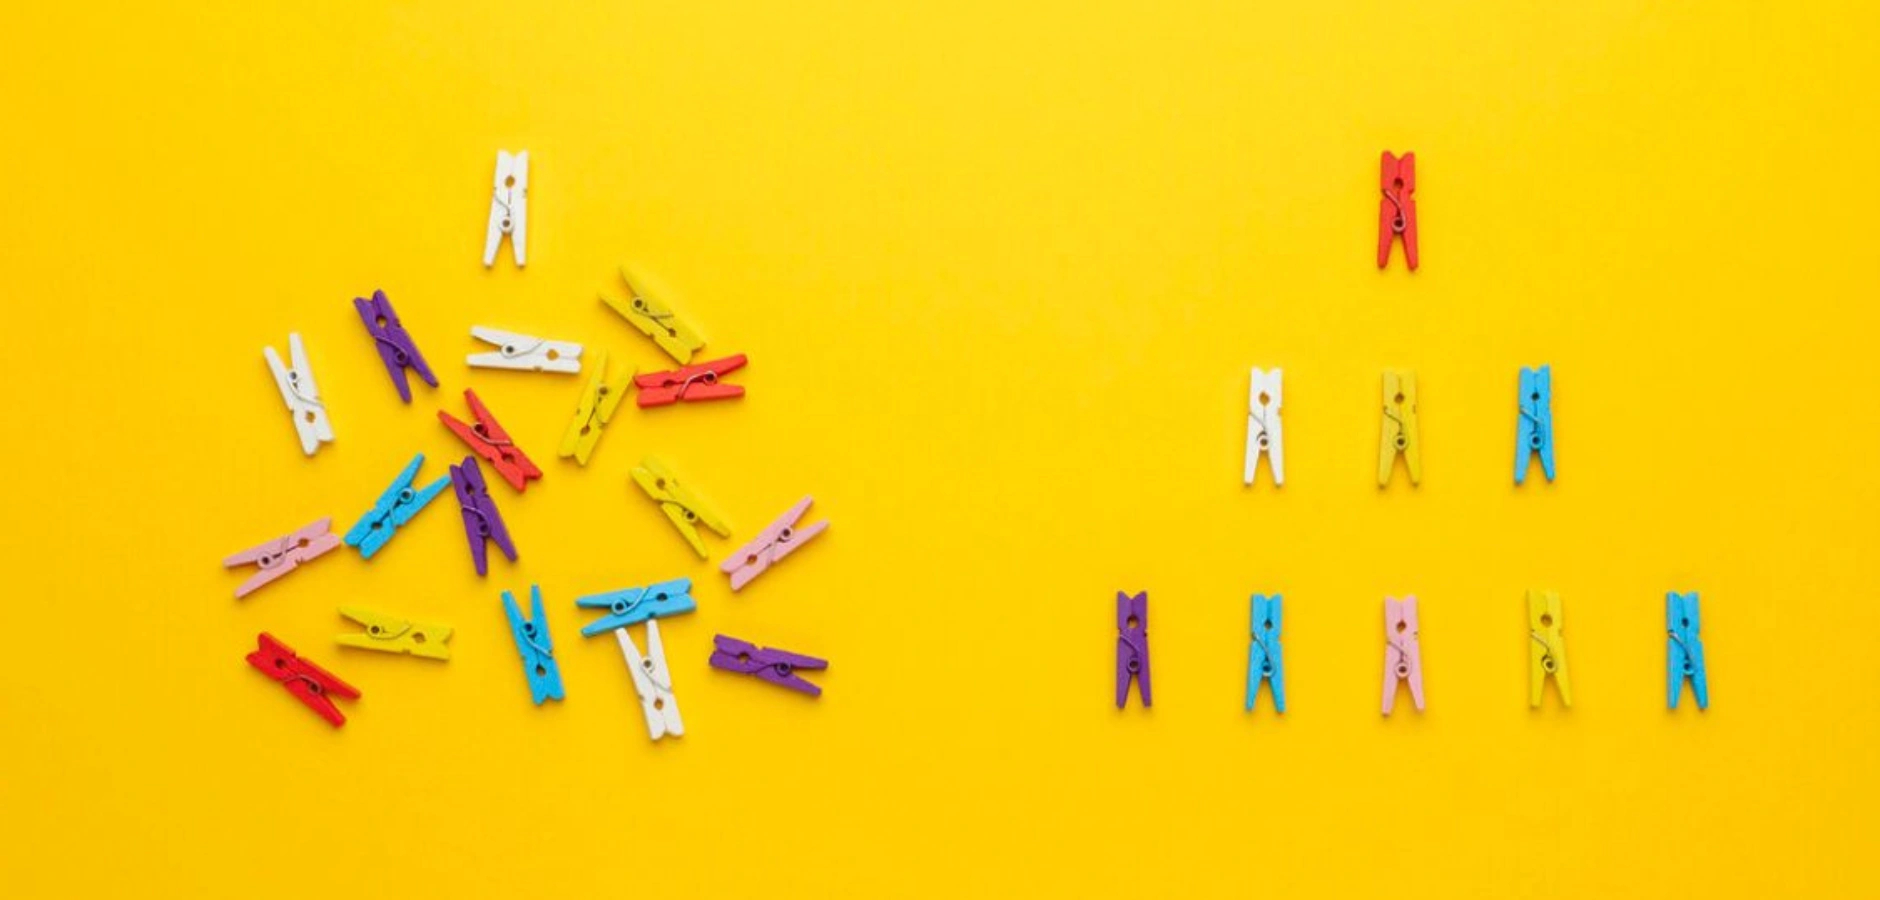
1684 649
397 506
1132 646
310 684
394 344
698 382
779 667
655 320
391 634
1264 659
639 604
1534 432
1399 427
1547 648
509 208
682 506
599 398
652 680
1264 435
301 394
488 440
482 523
1397 211
535 645
1403 655
771 546
282 555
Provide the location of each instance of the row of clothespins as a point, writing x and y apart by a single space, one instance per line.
1403 654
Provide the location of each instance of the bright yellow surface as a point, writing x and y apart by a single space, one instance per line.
1001 269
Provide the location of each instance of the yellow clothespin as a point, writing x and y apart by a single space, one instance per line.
599 399
1547 650
1400 427
685 508
391 634
656 320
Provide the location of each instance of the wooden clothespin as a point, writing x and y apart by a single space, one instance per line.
1399 427
1403 654
1397 211
1547 649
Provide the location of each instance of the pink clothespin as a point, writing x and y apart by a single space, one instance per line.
283 554
1403 656
772 545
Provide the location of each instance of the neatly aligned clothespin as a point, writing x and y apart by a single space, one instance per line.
599 399
301 395
655 320
631 606
698 382
1684 649
1399 428
778 667
482 523
652 680
1397 211
394 343
1535 431
283 555
488 440
1132 646
1264 661
684 507
535 645
1403 655
771 545
523 352
1547 648
309 683
391 634
509 208
1263 426
395 507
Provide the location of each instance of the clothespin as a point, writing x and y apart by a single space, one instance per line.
390 634
524 353
481 520
1263 427
655 320
301 395
283 555
775 666
509 208
1535 431
309 683
686 509
599 399
1132 645
1403 656
634 605
1547 648
394 343
1264 662
398 505
771 546
652 680
1397 212
698 382
488 440
535 645
1400 427
1685 649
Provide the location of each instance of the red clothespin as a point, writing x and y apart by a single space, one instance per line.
313 685
698 382
488 440
1397 212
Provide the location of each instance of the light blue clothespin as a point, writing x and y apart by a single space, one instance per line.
1685 650
634 605
395 507
1263 655
536 647
1535 433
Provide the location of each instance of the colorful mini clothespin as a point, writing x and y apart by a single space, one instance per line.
535 645
394 343
655 320
686 509
481 521
771 546
599 399
778 667
1263 427
488 440
631 606
283 555
652 680
309 683
698 382
390 634
1132 646
398 505
509 208
1535 431
1397 212
301 395
1264 662
1547 648
1403 655
523 352
1685 649
1400 427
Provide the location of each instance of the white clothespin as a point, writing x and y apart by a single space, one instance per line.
524 352
509 208
301 394
1263 431
653 681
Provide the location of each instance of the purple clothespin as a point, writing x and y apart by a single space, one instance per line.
481 521
1132 645
775 666
394 343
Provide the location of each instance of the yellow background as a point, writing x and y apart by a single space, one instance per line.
1000 269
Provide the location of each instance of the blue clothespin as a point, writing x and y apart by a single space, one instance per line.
1535 432
634 605
1263 655
1685 650
395 507
538 650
